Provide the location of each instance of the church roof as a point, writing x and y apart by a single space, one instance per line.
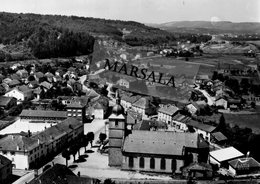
162 143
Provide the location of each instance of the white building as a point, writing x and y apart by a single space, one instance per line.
221 157
26 152
166 113
21 93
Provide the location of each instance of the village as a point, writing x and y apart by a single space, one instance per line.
52 109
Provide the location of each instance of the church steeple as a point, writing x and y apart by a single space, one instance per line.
117 109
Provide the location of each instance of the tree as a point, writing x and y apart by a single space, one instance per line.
85 142
90 137
73 151
66 154
102 137
109 181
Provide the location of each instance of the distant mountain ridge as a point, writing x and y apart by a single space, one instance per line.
210 26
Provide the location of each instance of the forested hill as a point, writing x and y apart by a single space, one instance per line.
55 35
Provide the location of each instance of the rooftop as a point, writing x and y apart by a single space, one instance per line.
157 142
168 109
4 161
43 113
226 154
244 163
5 100
201 126
143 103
17 143
56 174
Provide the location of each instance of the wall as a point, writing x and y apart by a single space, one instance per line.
168 165
20 159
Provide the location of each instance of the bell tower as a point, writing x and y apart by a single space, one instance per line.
117 130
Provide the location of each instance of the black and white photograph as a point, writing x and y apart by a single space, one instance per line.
129 91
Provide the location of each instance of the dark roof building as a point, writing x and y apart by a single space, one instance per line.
56 174
5 168
161 143
244 166
43 115
7 102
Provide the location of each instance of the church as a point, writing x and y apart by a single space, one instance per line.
152 151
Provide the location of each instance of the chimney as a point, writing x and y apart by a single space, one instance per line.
38 141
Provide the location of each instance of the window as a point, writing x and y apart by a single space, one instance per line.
173 165
141 162
116 122
79 115
152 163
163 164
69 114
74 115
69 109
131 162
79 110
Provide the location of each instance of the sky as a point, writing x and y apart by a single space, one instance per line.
145 11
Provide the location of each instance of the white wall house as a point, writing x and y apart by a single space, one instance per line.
19 95
166 113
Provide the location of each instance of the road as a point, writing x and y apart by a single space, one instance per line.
211 100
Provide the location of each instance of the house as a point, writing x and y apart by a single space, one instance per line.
62 175
221 101
166 113
22 151
43 115
132 118
39 76
234 104
21 93
7 102
5 168
179 123
98 111
144 107
77 110
198 171
128 100
196 107
46 85
151 125
221 157
123 83
22 73
49 76
218 138
202 129
162 152
27 152
201 78
33 84
244 166
14 83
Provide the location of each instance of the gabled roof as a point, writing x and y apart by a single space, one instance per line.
5 100
4 161
43 113
68 124
181 118
74 105
130 99
143 103
133 117
219 136
56 174
14 82
244 163
162 143
168 109
18 143
23 88
226 154
46 85
50 134
39 75
201 126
